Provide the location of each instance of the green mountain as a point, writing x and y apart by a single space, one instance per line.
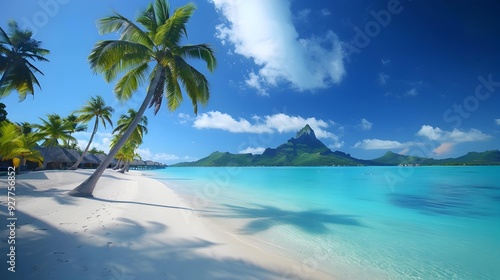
306 150
302 150
391 158
474 158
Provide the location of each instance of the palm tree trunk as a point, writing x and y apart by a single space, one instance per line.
77 163
117 166
86 188
125 166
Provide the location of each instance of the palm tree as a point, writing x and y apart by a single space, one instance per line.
16 51
75 126
29 142
95 151
128 150
15 144
29 139
10 141
26 127
127 154
154 55
3 113
54 129
125 121
95 108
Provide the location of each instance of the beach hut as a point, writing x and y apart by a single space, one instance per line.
56 157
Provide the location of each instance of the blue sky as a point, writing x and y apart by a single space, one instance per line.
413 77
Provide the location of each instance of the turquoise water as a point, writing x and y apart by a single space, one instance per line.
359 222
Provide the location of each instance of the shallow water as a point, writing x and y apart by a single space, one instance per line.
359 222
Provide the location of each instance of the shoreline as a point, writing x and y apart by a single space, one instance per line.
134 228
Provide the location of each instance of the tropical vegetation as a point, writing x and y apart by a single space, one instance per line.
95 109
149 51
128 152
55 131
17 52
15 144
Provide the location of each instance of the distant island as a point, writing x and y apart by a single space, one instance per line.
306 150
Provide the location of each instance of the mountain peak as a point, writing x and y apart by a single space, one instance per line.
306 131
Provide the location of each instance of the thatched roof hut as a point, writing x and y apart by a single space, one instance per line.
56 157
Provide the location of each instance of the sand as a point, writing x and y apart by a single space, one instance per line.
134 228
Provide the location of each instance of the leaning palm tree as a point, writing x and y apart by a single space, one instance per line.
53 130
16 51
153 54
135 139
126 121
75 126
127 154
95 108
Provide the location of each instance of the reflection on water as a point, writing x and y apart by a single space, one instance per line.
447 199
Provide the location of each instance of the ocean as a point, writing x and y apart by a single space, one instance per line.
357 222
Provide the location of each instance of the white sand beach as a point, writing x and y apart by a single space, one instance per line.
134 228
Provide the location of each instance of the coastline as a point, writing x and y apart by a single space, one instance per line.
135 227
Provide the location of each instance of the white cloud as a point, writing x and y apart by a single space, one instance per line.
303 14
444 148
146 154
255 81
101 140
431 133
454 136
223 121
280 123
405 151
382 78
385 62
497 121
412 92
263 31
377 144
251 150
325 12
365 124
184 118
336 145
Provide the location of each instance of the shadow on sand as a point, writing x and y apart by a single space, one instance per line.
44 251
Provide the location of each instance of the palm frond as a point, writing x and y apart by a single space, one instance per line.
201 51
4 38
173 91
130 82
147 19
171 32
128 30
162 11
107 54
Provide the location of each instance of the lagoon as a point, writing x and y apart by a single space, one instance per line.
357 222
